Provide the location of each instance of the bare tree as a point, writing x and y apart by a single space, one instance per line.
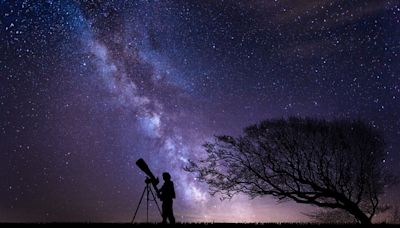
331 164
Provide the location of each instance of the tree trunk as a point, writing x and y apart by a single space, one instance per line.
359 215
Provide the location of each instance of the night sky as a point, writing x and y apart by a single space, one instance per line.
88 87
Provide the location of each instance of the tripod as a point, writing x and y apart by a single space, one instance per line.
147 190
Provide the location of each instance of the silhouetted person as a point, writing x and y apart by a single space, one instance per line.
166 195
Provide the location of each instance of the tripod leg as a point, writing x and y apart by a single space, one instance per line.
147 205
134 216
155 200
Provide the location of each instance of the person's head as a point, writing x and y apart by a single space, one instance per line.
166 176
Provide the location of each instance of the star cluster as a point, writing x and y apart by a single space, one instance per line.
88 87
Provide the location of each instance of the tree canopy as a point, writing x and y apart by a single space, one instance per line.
335 164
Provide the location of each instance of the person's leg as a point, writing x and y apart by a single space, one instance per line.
171 217
164 212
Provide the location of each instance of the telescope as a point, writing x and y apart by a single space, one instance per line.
150 179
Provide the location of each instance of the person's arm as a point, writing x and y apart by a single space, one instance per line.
172 190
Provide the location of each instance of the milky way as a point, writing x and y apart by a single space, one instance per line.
88 87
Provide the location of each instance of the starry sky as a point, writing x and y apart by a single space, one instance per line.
88 87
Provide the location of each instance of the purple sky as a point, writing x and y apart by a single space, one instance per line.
88 87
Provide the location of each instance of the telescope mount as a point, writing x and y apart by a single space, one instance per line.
148 191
